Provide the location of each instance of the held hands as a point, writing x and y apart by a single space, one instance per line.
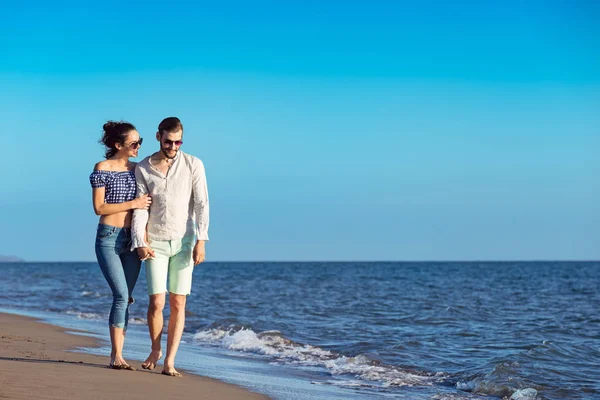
142 203
199 252
145 253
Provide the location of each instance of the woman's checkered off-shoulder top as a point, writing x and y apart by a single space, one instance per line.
120 185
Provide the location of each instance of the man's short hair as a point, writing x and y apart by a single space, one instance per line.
170 125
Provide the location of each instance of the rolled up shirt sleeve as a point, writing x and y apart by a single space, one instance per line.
201 204
140 217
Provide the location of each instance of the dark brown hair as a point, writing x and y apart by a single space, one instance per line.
115 132
169 125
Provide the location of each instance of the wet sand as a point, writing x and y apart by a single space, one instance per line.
35 364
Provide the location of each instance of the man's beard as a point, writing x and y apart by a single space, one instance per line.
166 155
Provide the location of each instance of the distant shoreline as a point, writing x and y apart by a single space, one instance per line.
7 259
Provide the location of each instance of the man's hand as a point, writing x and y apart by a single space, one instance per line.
145 253
199 252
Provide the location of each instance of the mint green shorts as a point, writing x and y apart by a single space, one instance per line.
172 259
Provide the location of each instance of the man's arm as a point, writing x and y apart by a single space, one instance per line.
140 217
201 209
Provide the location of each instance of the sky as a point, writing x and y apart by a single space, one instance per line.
356 130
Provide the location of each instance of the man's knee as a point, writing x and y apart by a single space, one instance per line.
177 302
157 303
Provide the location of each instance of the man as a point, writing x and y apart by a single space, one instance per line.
170 236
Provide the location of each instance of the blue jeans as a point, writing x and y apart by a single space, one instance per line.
120 267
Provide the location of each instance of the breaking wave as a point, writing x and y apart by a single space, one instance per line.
274 345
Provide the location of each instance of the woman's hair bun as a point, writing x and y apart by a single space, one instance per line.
109 125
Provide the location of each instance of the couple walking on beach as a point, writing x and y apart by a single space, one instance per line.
155 211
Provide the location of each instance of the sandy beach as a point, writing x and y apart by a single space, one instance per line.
35 364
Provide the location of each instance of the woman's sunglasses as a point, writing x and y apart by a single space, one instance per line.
170 143
135 145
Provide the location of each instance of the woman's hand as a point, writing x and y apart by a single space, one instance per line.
142 203
145 253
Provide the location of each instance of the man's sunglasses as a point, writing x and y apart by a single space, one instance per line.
170 143
135 145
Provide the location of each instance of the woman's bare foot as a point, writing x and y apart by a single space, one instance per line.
152 360
119 363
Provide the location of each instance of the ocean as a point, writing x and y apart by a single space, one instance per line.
353 330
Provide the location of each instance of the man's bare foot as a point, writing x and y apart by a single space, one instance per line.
152 360
170 371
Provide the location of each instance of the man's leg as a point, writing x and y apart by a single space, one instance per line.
181 267
156 277
176 323
155 327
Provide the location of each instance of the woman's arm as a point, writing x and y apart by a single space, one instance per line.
102 208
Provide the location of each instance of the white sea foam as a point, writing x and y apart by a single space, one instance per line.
486 385
366 369
85 315
524 394
454 396
100 317
274 345
89 293
468 386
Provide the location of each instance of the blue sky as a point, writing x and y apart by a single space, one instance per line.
329 130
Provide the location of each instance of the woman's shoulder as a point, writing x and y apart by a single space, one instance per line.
99 177
108 167
102 165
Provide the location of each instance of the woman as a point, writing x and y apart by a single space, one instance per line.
113 190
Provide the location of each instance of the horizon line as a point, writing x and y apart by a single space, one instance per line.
336 261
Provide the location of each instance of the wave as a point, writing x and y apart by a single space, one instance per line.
275 346
525 394
86 315
363 371
503 381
